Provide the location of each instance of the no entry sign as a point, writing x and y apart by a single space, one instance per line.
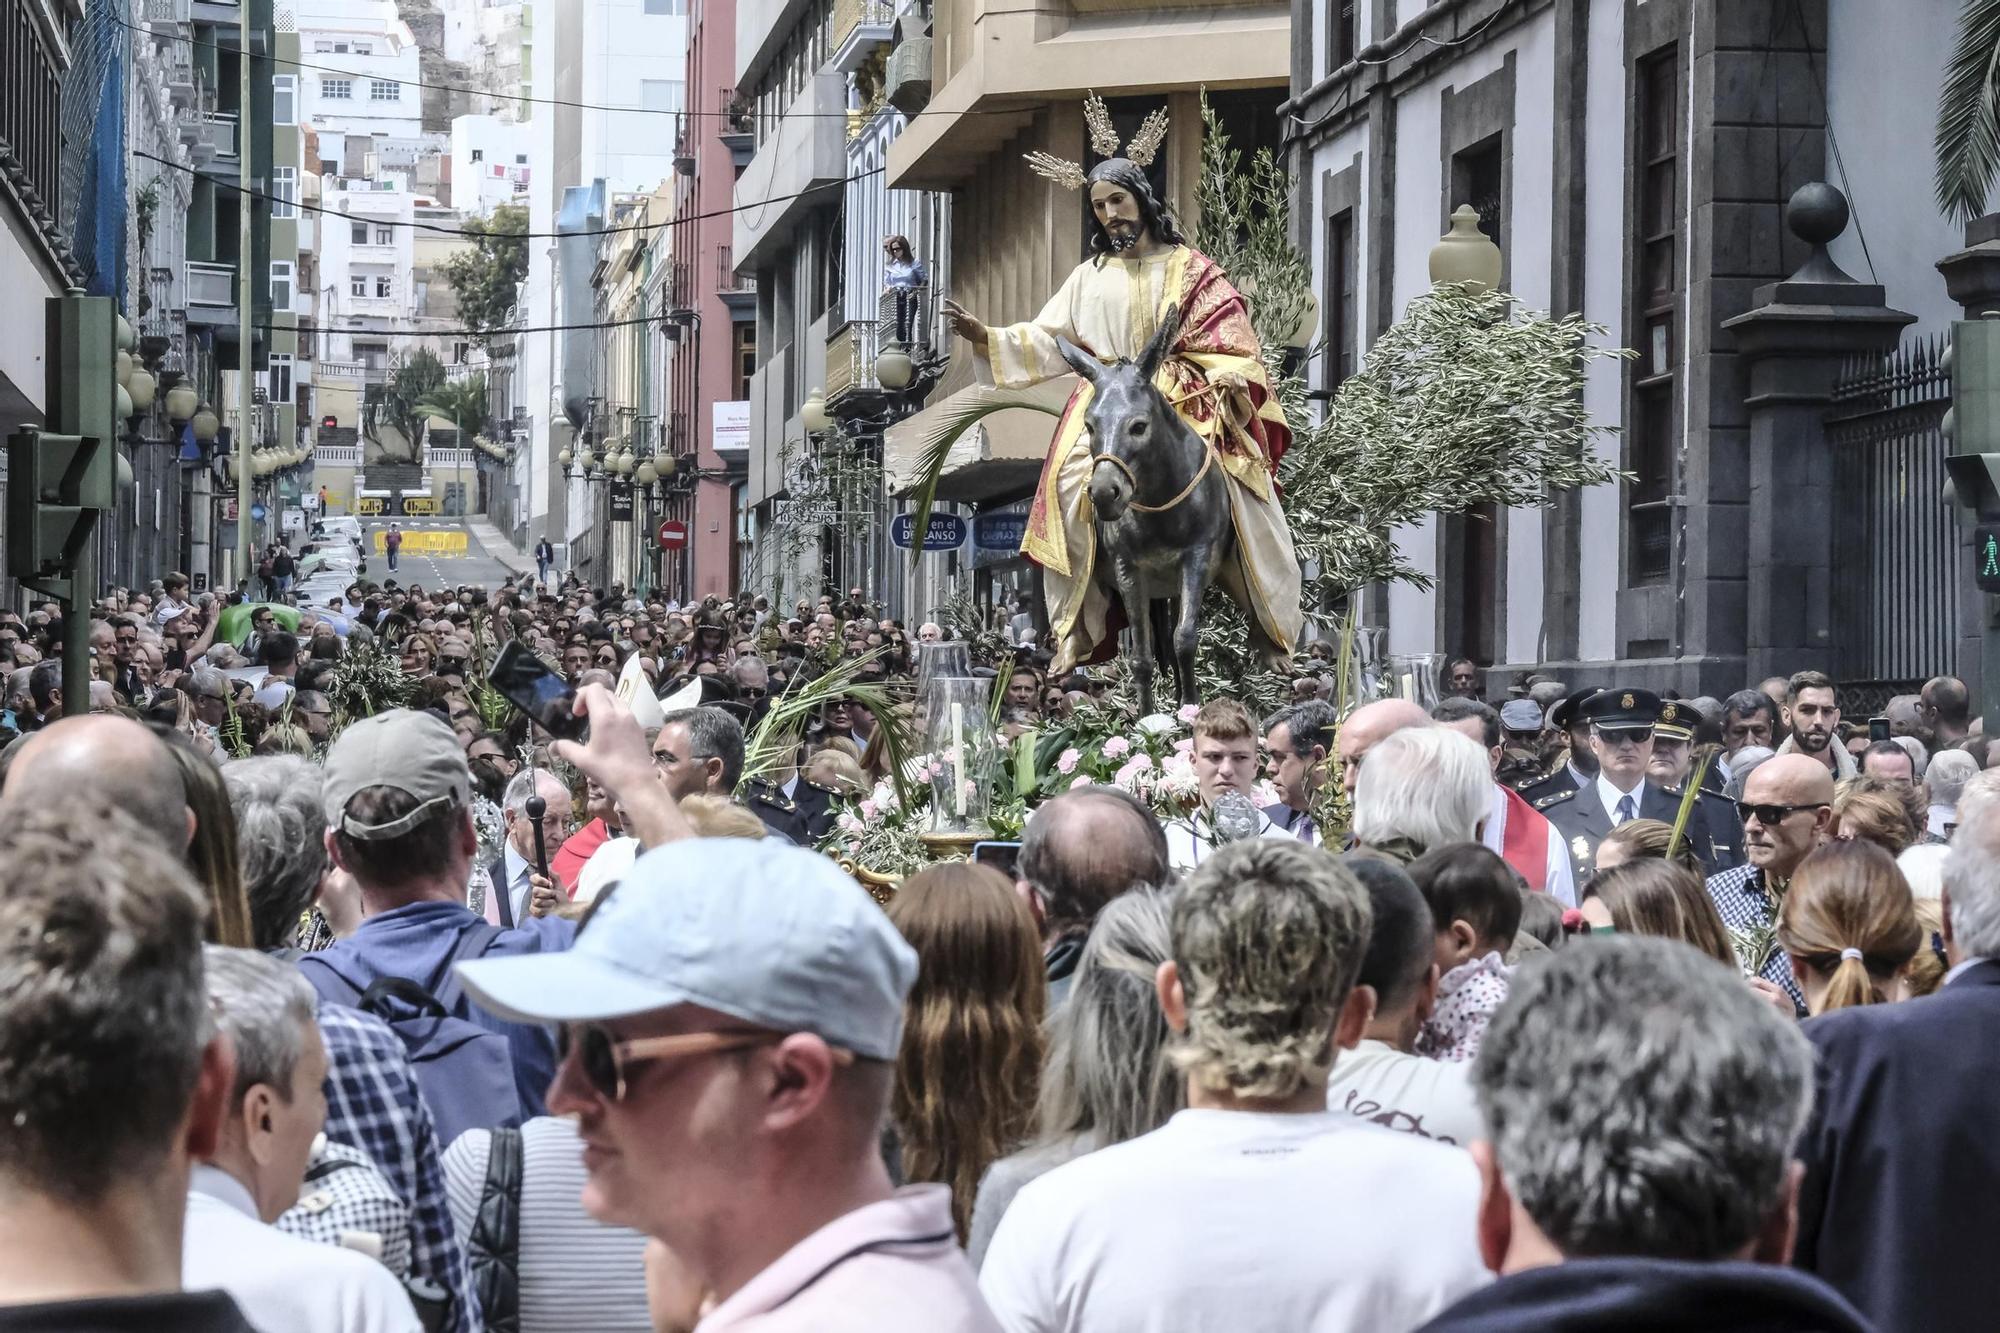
673 534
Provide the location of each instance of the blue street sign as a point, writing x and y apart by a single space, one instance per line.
258 513
946 532
999 531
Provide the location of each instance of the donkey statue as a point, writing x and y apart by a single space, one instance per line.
1162 509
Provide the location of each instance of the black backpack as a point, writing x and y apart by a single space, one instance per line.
493 1249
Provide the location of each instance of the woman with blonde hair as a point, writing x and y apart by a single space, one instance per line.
1849 924
1654 896
1892 815
971 1057
1636 839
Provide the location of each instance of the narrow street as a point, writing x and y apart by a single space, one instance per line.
448 566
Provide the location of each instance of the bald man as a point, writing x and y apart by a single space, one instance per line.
1787 810
110 758
1364 729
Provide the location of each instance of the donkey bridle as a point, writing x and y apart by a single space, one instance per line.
1207 461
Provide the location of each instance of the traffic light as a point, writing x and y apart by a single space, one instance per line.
1972 423
54 483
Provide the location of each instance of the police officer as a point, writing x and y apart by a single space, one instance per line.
1522 757
780 813
1581 766
1714 830
1620 724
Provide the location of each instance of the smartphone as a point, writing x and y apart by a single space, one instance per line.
526 681
1002 856
1878 729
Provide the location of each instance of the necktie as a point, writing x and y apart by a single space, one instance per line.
1302 828
1627 809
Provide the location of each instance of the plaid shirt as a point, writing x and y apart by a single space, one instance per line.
372 1103
1745 905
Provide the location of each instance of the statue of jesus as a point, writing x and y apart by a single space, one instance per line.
1140 273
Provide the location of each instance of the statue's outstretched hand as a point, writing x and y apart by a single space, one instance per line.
964 325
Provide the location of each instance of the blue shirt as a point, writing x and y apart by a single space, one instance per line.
416 941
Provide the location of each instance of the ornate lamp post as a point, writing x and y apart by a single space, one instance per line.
1466 254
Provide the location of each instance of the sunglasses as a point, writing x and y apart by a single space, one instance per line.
607 1062
1636 735
1772 815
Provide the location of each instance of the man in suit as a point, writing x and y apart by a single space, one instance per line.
1621 726
516 882
1297 740
1581 766
1901 1198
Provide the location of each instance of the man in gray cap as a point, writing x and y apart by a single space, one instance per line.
731 1016
397 796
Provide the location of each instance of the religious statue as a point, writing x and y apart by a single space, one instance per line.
1166 453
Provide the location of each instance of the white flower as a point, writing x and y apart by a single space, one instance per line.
1157 724
1066 761
1177 778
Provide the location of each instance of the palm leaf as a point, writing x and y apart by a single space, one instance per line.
1689 795
937 445
1968 116
776 740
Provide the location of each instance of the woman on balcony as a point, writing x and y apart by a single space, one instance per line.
903 275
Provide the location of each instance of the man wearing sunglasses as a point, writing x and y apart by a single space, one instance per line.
732 1016
1621 723
1787 811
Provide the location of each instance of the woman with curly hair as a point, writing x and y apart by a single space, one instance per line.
1850 926
971 1057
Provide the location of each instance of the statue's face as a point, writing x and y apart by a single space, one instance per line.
1117 211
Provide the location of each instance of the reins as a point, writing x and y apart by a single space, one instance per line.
1207 461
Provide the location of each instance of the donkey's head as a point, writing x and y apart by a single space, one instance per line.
1127 416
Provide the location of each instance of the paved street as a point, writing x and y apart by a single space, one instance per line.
431 570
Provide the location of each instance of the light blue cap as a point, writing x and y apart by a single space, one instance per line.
766 932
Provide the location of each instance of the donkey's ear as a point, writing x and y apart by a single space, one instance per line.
1162 342
1082 362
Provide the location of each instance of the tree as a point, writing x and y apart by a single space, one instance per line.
461 402
400 404
486 275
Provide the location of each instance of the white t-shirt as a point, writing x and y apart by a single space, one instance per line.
1190 842
1396 1090
1241 1221
281 1281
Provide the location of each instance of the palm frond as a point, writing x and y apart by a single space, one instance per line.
776 741
1968 115
1689 795
937 446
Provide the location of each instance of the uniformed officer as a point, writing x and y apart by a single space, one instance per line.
1581 766
780 813
1713 827
1621 724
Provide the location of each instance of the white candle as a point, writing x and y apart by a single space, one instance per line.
1409 686
958 754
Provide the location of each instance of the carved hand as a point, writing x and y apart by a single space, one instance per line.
965 326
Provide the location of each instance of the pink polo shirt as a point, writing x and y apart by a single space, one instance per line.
890 1267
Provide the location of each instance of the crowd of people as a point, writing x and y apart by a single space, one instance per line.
336 997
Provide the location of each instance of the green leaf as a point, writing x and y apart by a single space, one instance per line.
776 740
938 443
1968 115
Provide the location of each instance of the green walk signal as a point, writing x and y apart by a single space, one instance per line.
1986 557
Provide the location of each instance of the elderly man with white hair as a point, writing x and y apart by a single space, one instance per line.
1944 779
1419 788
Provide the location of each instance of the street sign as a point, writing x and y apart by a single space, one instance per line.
805 513
621 504
999 531
945 533
258 513
229 510
673 534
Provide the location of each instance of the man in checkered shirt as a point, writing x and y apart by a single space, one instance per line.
1787 810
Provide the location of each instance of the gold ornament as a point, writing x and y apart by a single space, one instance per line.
1145 145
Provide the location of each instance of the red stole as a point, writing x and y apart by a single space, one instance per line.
1524 840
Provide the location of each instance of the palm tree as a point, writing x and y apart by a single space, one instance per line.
1968 120
461 402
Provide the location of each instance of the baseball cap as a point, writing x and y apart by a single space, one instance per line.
1520 715
415 753
768 933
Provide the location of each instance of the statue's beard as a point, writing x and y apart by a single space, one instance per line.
1122 236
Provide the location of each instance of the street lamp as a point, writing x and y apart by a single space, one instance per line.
893 367
181 401
812 413
206 425
1466 254
140 388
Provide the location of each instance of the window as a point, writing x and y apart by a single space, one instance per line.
337 90
1650 428
284 192
357 233
385 286
460 352
1340 39
278 379
340 47
281 286
357 285
385 236
520 159
666 8
364 48
284 99
661 94
323 47
479 155
1340 267
384 90
743 363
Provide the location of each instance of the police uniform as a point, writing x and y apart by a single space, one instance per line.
767 800
1714 830
1581 820
1565 779
817 806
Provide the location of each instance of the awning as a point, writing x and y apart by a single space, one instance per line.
998 459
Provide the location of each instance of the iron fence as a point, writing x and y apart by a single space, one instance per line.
1895 572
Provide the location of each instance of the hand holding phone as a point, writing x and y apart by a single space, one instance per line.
527 682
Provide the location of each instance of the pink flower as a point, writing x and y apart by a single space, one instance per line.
1082 780
1185 745
1066 761
1117 748
1187 714
868 811
1140 762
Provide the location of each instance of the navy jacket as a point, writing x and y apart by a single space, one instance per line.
1901 1204
1632 1295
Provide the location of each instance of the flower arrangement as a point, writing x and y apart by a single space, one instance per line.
1152 757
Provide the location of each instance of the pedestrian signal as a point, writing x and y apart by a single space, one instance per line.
1986 558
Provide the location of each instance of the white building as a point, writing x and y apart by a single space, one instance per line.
489 163
364 99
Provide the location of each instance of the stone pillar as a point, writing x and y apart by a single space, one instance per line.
1794 340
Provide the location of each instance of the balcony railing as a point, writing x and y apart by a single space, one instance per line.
726 279
902 315
211 284
30 110
218 132
337 455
